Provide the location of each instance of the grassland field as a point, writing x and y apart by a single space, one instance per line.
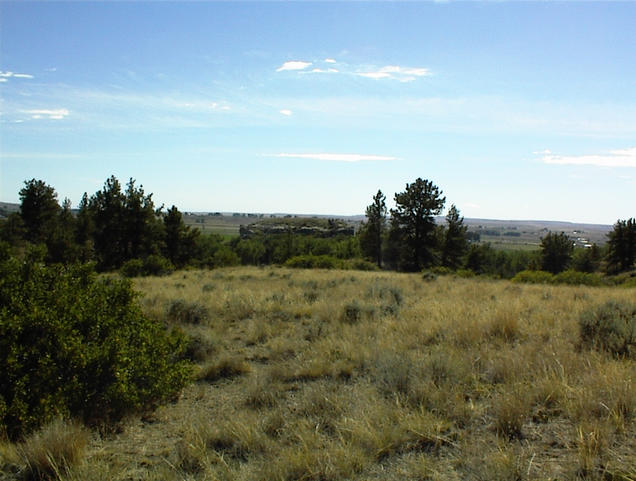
344 375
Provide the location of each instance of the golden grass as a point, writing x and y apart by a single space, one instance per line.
329 375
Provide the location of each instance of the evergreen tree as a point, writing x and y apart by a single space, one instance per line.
180 240
84 230
556 252
39 210
108 208
143 229
413 223
621 246
61 244
455 241
372 232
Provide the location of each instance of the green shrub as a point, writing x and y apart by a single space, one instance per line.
71 344
360 265
576 278
610 327
310 261
156 265
533 277
464 273
132 268
153 265
441 270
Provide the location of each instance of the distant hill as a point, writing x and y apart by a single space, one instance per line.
7 208
500 233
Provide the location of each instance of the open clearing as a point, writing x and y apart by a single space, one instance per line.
329 375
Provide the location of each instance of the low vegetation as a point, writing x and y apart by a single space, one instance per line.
75 345
332 374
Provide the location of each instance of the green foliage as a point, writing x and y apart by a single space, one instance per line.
225 257
372 232
309 261
587 260
71 344
132 268
621 246
576 278
413 224
556 252
153 265
610 327
360 265
533 277
180 240
126 225
156 265
455 243
39 210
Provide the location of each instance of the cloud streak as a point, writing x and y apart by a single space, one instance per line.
294 65
52 114
395 72
4 76
335 157
388 72
615 158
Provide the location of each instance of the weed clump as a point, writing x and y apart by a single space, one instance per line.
610 327
353 312
225 368
54 449
187 312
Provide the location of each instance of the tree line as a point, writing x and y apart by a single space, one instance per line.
121 228
407 238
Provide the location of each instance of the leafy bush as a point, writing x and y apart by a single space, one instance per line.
533 277
153 265
71 344
360 265
156 265
576 278
132 268
309 261
610 327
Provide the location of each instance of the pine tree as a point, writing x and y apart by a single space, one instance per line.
372 232
622 246
455 242
413 223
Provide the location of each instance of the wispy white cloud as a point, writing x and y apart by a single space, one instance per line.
53 114
9 74
294 65
328 65
335 157
395 72
286 112
615 158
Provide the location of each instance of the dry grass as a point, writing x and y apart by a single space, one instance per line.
328 375
53 451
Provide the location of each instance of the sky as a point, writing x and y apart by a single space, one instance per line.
515 110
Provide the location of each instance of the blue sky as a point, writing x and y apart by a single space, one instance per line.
516 110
